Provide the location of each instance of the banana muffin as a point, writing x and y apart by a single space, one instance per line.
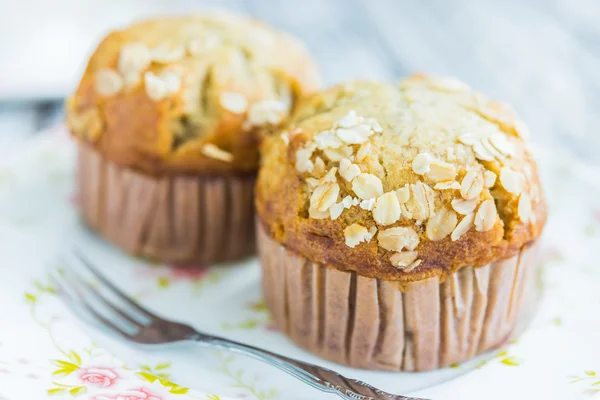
397 224
168 116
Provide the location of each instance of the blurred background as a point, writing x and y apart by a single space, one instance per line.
543 56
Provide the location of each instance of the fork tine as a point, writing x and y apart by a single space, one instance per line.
75 285
69 299
105 302
112 287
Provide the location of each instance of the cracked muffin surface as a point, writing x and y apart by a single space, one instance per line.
189 94
401 181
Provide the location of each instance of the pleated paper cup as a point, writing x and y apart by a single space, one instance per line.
375 324
181 219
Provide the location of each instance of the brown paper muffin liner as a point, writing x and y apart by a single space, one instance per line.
372 324
175 219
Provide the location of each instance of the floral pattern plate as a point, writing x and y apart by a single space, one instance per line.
46 351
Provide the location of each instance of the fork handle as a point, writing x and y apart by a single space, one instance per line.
320 378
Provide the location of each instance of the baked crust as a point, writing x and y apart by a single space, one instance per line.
155 94
419 115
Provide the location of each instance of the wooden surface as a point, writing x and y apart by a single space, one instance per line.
543 56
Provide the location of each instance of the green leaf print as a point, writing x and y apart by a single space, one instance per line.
148 377
163 282
30 298
238 379
64 368
56 391
73 356
179 390
590 379
76 391
163 366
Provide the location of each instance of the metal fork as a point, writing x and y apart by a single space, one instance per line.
138 325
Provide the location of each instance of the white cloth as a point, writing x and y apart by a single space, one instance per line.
45 350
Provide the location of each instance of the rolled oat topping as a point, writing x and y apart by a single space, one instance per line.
367 186
421 163
422 202
486 216
336 210
403 194
267 112
443 181
464 207
441 171
441 224
166 54
471 185
387 209
404 259
356 234
463 226
511 180
108 82
367 204
319 168
134 59
348 170
161 86
303 161
327 140
524 209
447 185
324 196
489 178
234 102
213 151
398 238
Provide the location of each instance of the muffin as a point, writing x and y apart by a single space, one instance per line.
168 117
397 224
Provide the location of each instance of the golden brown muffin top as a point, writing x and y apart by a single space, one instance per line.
401 181
189 94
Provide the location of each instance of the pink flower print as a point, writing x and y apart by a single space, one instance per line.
132 394
191 272
98 376
175 273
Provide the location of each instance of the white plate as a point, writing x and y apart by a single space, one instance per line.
37 220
